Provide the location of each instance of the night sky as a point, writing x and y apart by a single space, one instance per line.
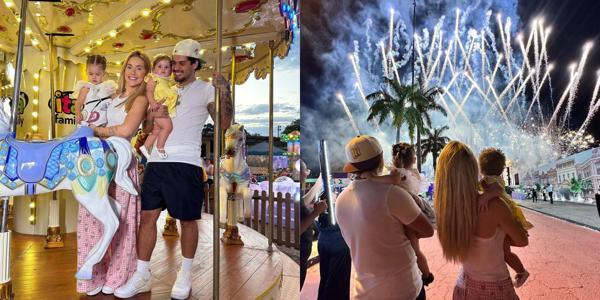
573 24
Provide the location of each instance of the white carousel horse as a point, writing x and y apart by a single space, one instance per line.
79 162
234 180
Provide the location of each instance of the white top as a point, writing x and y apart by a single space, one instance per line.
413 181
371 216
115 112
184 144
94 107
485 261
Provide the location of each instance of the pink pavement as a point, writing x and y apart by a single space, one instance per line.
562 258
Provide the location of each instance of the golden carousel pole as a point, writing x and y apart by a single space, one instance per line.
217 155
5 234
233 78
271 206
53 237
231 235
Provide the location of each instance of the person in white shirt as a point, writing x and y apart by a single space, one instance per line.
373 218
176 183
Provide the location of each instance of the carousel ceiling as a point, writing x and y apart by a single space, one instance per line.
116 27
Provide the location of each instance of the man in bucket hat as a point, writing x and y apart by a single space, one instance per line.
372 217
175 183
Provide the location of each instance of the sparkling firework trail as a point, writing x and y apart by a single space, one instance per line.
341 98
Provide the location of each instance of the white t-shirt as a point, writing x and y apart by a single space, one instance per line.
184 144
94 108
115 112
371 216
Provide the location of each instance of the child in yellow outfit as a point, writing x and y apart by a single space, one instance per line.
491 164
163 95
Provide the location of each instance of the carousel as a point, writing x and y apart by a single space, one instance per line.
43 50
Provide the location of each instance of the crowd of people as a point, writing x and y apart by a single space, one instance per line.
372 249
173 114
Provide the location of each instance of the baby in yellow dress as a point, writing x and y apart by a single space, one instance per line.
491 164
163 95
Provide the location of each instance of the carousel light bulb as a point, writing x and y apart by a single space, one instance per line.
31 218
113 33
36 76
202 51
99 42
9 4
118 63
209 78
145 12
224 48
28 31
35 102
34 114
38 15
36 88
87 50
32 205
34 127
127 23
165 1
34 42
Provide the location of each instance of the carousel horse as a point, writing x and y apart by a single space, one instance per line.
78 162
234 180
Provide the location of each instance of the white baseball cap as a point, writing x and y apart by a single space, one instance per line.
188 47
363 152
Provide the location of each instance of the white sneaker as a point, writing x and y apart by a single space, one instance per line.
183 285
145 152
135 285
107 290
94 292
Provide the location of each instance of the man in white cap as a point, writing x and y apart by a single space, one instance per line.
176 183
372 217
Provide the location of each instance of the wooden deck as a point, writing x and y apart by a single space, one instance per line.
245 272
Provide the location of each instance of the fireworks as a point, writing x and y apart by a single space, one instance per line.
492 92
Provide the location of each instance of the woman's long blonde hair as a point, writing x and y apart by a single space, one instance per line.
455 197
141 89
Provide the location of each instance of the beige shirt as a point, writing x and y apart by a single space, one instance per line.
371 216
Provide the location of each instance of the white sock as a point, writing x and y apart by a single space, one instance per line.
143 267
186 264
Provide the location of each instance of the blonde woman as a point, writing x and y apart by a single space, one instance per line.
125 113
471 236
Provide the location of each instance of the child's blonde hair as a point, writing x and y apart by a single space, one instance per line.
456 200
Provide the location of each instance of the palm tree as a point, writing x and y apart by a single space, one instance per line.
434 142
421 101
408 104
388 101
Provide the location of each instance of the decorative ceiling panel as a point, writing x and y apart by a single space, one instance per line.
116 27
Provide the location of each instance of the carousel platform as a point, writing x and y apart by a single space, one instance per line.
248 272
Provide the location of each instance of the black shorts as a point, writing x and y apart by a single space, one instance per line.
178 187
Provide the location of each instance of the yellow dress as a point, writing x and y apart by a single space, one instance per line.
163 93
516 210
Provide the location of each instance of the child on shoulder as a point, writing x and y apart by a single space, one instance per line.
491 164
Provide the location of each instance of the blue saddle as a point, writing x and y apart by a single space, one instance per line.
31 164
